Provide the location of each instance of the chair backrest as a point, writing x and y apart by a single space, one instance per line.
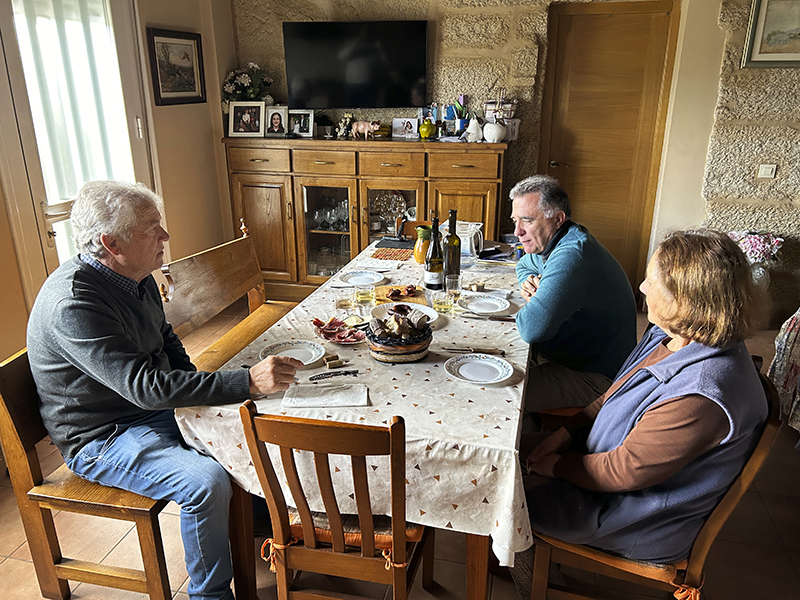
21 426
204 284
723 510
324 438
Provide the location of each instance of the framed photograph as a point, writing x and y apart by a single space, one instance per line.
246 119
176 64
773 34
276 121
301 122
405 127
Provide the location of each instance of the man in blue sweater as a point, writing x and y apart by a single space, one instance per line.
109 370
580 316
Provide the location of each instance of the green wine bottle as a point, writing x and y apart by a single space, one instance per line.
451 247
432 276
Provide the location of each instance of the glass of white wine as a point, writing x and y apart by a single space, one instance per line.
364 294
442 302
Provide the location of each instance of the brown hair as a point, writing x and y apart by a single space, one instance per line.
709 277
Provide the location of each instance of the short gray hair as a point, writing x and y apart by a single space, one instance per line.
552 197
110 208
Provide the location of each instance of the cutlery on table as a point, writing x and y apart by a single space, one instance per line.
469 315
474 350
320 376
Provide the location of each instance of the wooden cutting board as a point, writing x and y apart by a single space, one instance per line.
382 290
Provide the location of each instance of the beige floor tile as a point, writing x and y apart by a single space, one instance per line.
785 512
751 523
87 537
12 535
450 582
128 554
19 580
743 571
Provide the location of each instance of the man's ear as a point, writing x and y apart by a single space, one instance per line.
561 218
110 243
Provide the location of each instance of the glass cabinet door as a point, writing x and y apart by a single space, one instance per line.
383 201
330 216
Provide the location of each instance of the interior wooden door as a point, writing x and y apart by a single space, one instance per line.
608 74
474 201
265 203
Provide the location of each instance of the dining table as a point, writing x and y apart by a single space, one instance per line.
462 426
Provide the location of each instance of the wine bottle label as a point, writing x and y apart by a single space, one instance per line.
431 277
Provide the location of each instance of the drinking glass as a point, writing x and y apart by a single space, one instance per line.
442 302
452 285
364 294
343 299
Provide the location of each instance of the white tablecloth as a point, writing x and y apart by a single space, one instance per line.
462 464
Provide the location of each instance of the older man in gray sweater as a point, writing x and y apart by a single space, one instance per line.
109 370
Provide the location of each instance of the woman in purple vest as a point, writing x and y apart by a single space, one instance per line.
638 471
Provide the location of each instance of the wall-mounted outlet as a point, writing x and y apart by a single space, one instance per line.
767 171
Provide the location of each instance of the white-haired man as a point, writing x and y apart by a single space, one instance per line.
109 370
580 316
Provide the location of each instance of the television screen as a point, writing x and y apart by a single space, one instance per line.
366 64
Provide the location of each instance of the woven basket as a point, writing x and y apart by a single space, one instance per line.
399 351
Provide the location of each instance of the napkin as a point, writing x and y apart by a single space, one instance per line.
376 264
323 395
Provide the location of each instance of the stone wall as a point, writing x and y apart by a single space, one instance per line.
757 120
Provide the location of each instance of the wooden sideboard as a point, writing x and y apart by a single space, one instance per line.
311 204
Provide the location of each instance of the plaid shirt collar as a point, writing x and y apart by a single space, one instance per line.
124 283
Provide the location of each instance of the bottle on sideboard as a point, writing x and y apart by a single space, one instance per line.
433 276
451 248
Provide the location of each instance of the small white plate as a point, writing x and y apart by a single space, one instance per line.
305 351
483 304
479 368
361 278
382 310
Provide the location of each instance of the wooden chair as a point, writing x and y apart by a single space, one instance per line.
685 578
204 284
21 428
409 227
378 549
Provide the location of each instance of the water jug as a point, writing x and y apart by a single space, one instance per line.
471 235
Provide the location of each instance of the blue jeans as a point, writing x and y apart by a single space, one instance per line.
149 457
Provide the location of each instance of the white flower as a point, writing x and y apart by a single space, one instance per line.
226 107
252 65
229 88
243 79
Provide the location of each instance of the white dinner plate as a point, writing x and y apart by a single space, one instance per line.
382 310
479 368
361 278
483 304
305 351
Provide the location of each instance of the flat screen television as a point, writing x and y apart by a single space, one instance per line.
356 64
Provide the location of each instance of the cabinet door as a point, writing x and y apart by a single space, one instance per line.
381 201
265 203
475 201
326 213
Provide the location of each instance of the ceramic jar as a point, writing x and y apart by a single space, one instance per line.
422 243
426 129
494 132
474 133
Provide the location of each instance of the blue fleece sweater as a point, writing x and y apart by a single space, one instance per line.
583 315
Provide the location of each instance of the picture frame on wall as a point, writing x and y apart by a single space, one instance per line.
176 66
246 119
276 122
773 34
301 122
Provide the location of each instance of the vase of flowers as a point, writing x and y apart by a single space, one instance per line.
247 83
759 248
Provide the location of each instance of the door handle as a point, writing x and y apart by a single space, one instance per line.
354 214
553 164
364 215
289 210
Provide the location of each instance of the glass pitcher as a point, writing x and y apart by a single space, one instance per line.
471 235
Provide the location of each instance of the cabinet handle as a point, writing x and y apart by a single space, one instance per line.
259 160
391 164
324 162
289 210
364 215
463 166
354 213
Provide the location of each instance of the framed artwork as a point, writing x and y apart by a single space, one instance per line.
176 64
276 121
773 34
246 119
301 122
405 127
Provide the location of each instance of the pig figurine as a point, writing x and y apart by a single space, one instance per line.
365 128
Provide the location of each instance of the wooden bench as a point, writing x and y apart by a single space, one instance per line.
204 284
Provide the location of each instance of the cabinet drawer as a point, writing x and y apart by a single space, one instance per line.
315 162
258 159
463 165
394 164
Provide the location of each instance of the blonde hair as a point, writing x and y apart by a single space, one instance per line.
710 280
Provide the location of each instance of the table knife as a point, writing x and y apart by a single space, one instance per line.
474 350
488 317
319 376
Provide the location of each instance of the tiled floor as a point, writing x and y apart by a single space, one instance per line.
756 557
